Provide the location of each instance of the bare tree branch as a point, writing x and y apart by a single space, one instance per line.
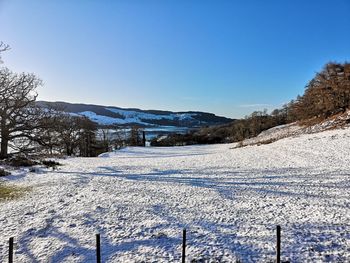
3 47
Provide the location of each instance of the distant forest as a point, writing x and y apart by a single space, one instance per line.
327 94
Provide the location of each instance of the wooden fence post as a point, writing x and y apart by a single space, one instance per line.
98 248
11 250
278 245
184 245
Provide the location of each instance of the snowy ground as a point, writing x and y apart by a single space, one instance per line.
230 200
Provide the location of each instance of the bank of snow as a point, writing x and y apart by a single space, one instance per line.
294 129
230 200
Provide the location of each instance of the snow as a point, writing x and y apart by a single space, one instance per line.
105 120
130 117
230 201
136 115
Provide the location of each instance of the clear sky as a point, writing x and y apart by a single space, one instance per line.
225 57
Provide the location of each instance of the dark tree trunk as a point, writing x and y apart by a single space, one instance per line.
144 138
68 150
4 147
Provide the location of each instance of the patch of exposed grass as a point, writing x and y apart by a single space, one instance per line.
11 192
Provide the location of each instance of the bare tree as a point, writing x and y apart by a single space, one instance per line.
19 116
68 129
47 136
105 138
71 135
3 47
87 143
119 137
134 138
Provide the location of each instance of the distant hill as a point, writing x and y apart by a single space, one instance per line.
110 115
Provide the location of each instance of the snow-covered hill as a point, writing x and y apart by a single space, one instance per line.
105 115
230 200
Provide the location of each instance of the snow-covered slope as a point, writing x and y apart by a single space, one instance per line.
137 115
230 200
105 120
104 115
296 129
134 117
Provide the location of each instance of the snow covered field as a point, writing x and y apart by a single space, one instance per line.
230 200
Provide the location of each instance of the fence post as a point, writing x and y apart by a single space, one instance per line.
184 245
278 245
11 250
98 248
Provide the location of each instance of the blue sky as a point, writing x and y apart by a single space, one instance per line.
225 57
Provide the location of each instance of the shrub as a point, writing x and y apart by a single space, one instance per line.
50 163
21 161
4 172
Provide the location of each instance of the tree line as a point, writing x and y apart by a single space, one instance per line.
327 94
